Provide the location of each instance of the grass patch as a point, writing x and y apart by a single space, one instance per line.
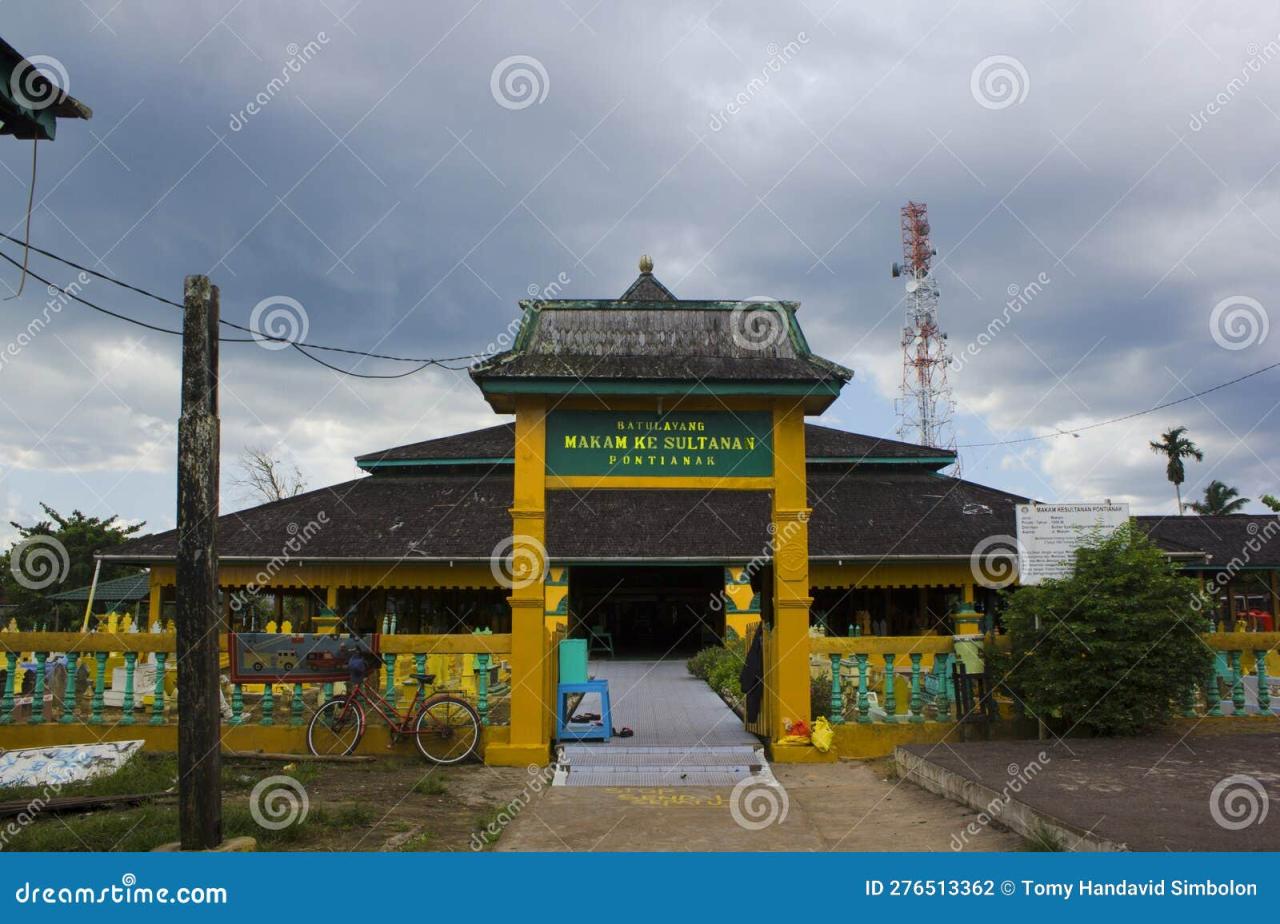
418 842
1044 841
142 773
430 785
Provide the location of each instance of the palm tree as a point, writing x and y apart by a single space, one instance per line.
1175 446
1219 500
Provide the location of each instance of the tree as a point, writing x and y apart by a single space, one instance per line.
1219 500
1114 648
1175 446
56 554
1272 502
265 478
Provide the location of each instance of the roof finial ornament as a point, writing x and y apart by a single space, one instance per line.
646 263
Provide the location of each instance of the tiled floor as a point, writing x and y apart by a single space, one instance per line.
667 707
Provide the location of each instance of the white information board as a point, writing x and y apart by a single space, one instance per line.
1050 534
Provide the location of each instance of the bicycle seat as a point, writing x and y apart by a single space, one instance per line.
425 679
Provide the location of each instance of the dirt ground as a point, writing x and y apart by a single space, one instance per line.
849 806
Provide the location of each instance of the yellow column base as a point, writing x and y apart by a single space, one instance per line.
517 755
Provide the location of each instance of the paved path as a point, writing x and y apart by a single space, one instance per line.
849 806
666 706
1155 793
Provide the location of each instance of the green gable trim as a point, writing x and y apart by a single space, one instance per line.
395 463
882 460
631 387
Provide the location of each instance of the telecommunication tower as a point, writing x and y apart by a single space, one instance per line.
925 405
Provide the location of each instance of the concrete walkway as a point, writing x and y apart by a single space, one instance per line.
849 806
666 706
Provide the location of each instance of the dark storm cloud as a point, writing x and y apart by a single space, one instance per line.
754 149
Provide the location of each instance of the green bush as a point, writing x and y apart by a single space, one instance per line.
1111 650
820 696
720 665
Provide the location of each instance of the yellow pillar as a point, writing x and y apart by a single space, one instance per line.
529 743
787 679
154 604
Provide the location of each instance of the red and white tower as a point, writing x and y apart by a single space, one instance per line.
925 405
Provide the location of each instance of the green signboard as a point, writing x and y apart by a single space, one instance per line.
678 444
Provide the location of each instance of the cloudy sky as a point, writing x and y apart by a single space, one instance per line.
410 182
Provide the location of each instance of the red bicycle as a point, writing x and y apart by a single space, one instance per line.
446 728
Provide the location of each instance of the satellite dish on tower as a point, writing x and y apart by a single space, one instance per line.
912 285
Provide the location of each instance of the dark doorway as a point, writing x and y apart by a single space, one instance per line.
646 611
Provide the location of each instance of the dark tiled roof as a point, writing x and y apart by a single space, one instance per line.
659 340
490 443
903 512
657 524
387 517
829 443
499 442
1221 538
118 590
647 288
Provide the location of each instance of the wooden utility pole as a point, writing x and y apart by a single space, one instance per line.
199 619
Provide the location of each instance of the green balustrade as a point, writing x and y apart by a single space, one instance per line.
295 705
1264 694
890 691
37 697
1237 684
69 692
1212 693
864 703
268 716
917 703
130 663
837 695
237 704
942 700
157 694
482 687
6 702
327 693
99 685
389 678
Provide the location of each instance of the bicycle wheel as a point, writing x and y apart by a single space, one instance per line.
448 730
336 728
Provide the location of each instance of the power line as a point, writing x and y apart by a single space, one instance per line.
423 362
1103 423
